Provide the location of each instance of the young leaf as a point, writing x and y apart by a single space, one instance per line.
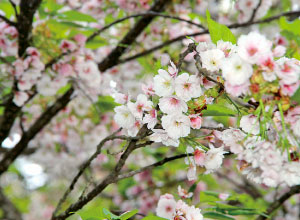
296 96
215 215
219 31
110 215
128 215
76 16
218 110
290 26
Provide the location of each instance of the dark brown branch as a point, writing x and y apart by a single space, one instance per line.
253 192
7 20
27 151
39 124
15 7
232 26
83 167
190 49
146 52
24 25
10 113
255 11
152 166
277 203
204 72
111 178
112 59
214 128
10 212
139 15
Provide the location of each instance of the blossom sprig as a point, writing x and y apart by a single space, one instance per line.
174 91
169 208
246 70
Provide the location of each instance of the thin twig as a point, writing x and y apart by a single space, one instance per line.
255 11
84 166
277 203
204 72
152 166
111 178
190 49
214 128
139 15
15 7
232 26
253 193
8 21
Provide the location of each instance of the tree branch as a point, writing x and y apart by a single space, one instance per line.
112 59
277 203
85 165
152 166
39 124
253 192
139 15
8 21
111 178
232 26
255 11
24 26
15 7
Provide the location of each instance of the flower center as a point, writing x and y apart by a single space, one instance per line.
174 101
252 51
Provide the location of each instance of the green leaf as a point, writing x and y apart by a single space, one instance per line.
106 103
204 197
243 212
290 26
152 217
76 16
218 110
108 214
219 31
51 6
129 214
286 4
6 7
96 43
215 215
296 96
230 207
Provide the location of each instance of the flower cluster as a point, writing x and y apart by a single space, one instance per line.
171 112
8 40
262 161
169 208
253 66
27 71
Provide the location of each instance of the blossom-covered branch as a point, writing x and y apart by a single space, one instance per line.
112 59
40 123
24 27
141 15
232 26
111 178
88 162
